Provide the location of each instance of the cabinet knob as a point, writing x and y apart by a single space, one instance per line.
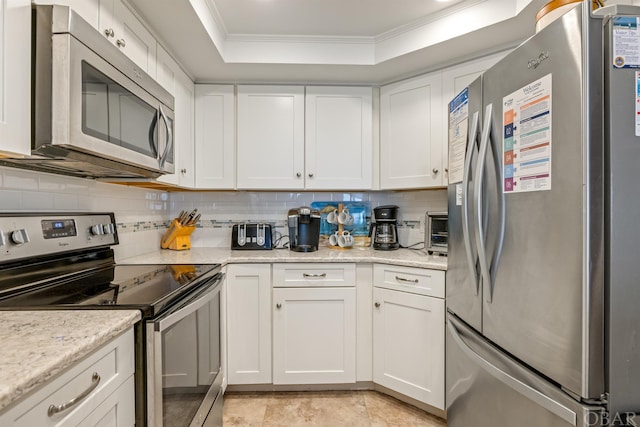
446 170
435 171
298 175
310 175
121 43
183 170
278 306
377 305
109 32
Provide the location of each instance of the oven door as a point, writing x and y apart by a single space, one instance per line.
184 378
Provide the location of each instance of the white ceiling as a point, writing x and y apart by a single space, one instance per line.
332 41
365 18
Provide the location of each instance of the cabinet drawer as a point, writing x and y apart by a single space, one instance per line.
114 363
409 279
313 274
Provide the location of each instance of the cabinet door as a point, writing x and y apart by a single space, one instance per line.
339 140
314 335
215 137
270 143
408 344
132 37
411 133
249 323
15 77
176 82
117 410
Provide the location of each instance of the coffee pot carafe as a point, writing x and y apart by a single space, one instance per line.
384 229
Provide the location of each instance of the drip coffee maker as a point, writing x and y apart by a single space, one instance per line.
385 236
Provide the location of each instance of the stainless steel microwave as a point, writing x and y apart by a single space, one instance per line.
95 113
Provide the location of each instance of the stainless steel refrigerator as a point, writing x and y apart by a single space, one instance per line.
543 280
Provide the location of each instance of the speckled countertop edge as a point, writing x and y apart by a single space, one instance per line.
401 257
37 345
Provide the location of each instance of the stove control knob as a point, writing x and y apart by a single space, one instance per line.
97 230
19 236
109 228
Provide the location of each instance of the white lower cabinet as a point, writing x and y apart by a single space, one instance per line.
249 323
102 383
314 335
408 344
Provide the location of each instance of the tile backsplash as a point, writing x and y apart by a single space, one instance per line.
142 215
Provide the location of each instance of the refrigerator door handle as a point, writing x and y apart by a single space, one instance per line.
497 253
471 259
477 201
515 384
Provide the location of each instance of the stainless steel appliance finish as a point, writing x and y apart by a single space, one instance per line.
436 233
65 261
95 112
304 229
545 278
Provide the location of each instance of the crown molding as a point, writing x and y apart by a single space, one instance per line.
422 33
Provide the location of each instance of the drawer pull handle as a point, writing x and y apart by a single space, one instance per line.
402 279
314 276
53 409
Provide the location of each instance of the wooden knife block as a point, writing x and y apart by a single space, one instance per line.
177 237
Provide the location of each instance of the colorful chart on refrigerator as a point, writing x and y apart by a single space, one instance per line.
527 138
458 129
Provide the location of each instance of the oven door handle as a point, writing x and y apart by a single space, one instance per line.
173 318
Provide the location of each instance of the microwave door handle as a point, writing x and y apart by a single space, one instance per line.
153 141
478 201
471 259
169 138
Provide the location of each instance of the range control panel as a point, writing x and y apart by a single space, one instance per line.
31 235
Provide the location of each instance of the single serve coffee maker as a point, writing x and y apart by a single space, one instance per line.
304 229
385 226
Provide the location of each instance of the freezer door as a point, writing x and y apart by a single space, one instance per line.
547 286
486 388
464 290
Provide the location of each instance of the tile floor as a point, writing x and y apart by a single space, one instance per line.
330 409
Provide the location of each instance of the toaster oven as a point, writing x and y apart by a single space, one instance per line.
436 238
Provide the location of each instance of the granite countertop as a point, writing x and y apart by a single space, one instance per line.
403 257
36 345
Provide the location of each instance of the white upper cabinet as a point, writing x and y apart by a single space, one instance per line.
176 82
15 77
321 141
270 145
411 133
119 25
133 38
339 141
215 137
